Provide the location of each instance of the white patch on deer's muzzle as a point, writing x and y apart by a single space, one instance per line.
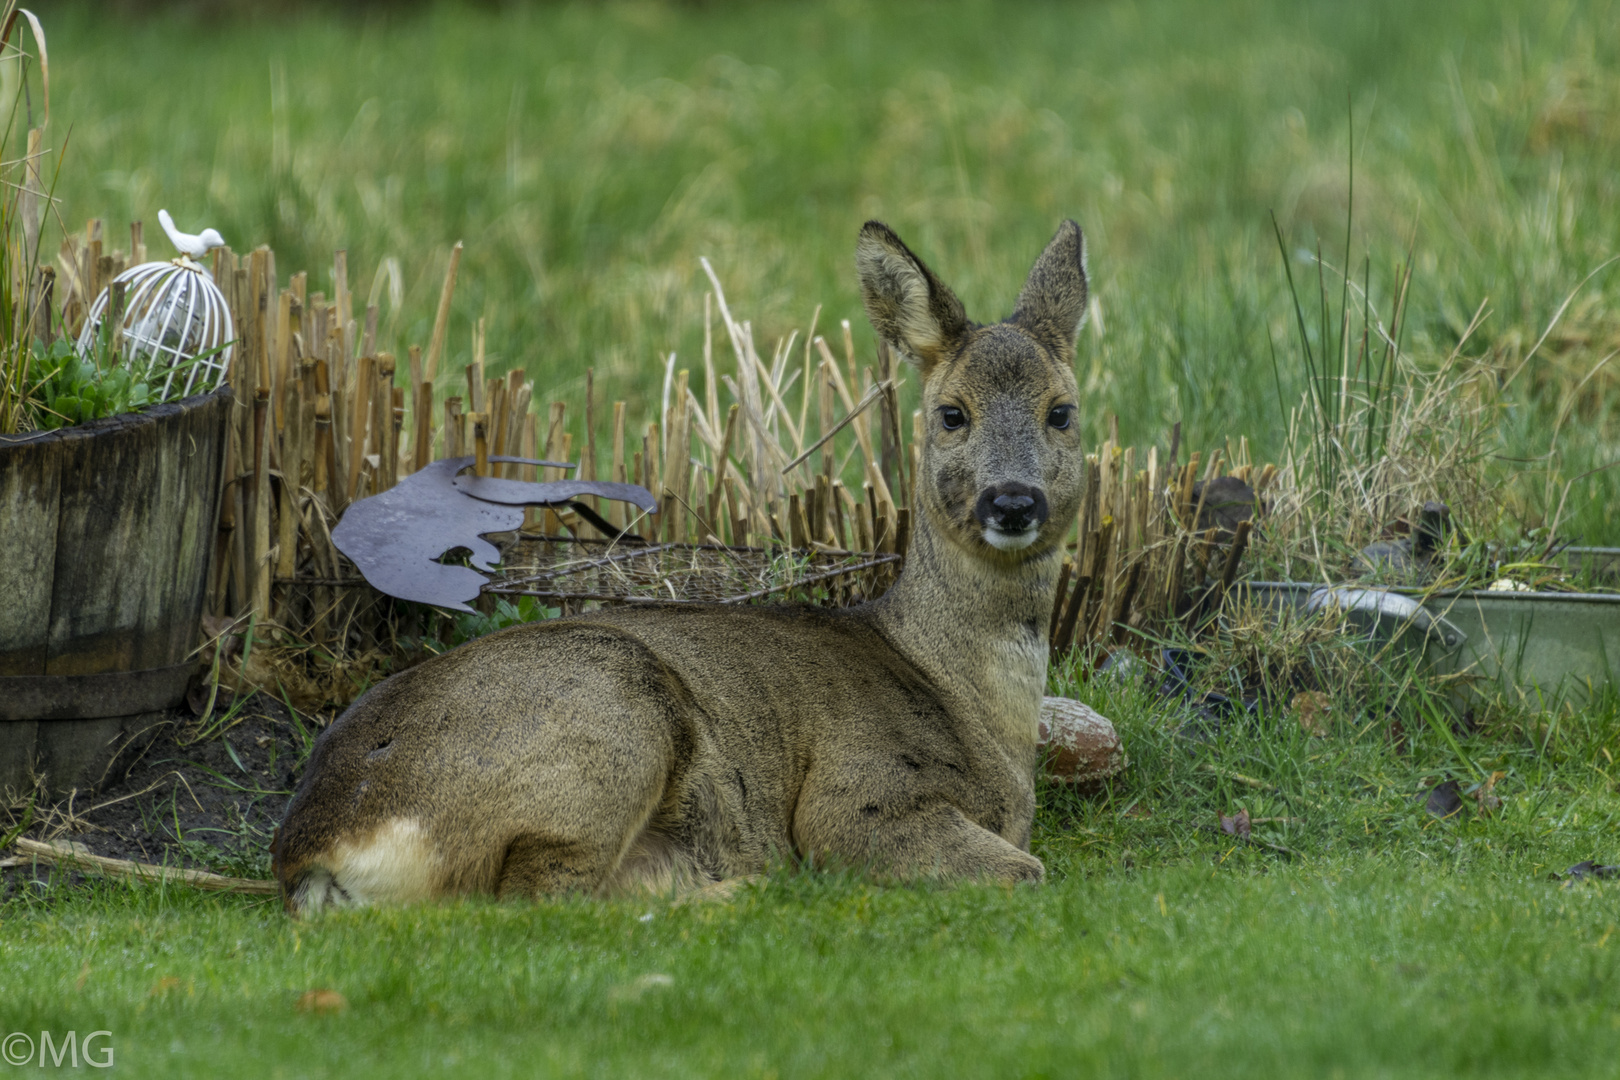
1010 541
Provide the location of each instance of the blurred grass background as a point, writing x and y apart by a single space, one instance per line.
588 154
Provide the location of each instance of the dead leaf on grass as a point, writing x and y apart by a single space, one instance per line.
1238 824
1313 709
321 1002
1485 795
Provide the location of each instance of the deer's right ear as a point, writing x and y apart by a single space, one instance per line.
908 305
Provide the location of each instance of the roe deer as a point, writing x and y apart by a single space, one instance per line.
669 747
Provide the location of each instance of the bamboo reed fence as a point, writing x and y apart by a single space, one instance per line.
807 452
1148 551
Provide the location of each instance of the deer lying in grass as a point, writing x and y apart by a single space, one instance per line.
669 747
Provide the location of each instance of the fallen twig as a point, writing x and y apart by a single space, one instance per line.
61 853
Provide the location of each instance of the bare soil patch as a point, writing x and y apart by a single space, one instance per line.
205 795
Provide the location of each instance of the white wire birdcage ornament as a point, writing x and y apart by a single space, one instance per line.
175 325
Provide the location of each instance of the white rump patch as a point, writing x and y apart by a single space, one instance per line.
396 864
1010 541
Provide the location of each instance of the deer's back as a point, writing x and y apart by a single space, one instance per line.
792 682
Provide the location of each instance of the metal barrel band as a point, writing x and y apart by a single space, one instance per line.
89 697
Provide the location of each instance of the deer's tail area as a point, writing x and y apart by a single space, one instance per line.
480 772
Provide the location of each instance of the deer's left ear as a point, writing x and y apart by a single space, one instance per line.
1052 306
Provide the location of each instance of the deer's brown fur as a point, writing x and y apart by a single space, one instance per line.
665 747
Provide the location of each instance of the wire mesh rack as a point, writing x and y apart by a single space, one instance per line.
576 573
174 325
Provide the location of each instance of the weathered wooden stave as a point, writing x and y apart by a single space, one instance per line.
106 531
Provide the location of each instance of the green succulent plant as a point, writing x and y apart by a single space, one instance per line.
75 389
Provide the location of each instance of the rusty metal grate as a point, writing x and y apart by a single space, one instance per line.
576 572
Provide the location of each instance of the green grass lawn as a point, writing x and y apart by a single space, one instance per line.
1381 942
1380 966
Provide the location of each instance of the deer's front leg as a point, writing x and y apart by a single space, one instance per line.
902 833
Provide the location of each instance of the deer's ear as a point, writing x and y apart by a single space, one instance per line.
1052 306
908 305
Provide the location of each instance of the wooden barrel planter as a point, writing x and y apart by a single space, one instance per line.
106 530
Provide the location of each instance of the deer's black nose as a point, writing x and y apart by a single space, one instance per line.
1011 508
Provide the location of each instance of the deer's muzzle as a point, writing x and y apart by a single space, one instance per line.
1011 515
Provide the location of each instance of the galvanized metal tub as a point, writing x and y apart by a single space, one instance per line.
1554 646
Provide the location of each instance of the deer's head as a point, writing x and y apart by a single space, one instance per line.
1002 461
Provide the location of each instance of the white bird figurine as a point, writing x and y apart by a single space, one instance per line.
193 245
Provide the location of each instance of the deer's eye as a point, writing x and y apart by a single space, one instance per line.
952 417
1061 417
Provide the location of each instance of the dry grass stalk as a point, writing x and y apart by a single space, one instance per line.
1440 446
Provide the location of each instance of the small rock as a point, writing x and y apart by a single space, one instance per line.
1081 744
1442 800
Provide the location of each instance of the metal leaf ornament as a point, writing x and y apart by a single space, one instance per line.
397 538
